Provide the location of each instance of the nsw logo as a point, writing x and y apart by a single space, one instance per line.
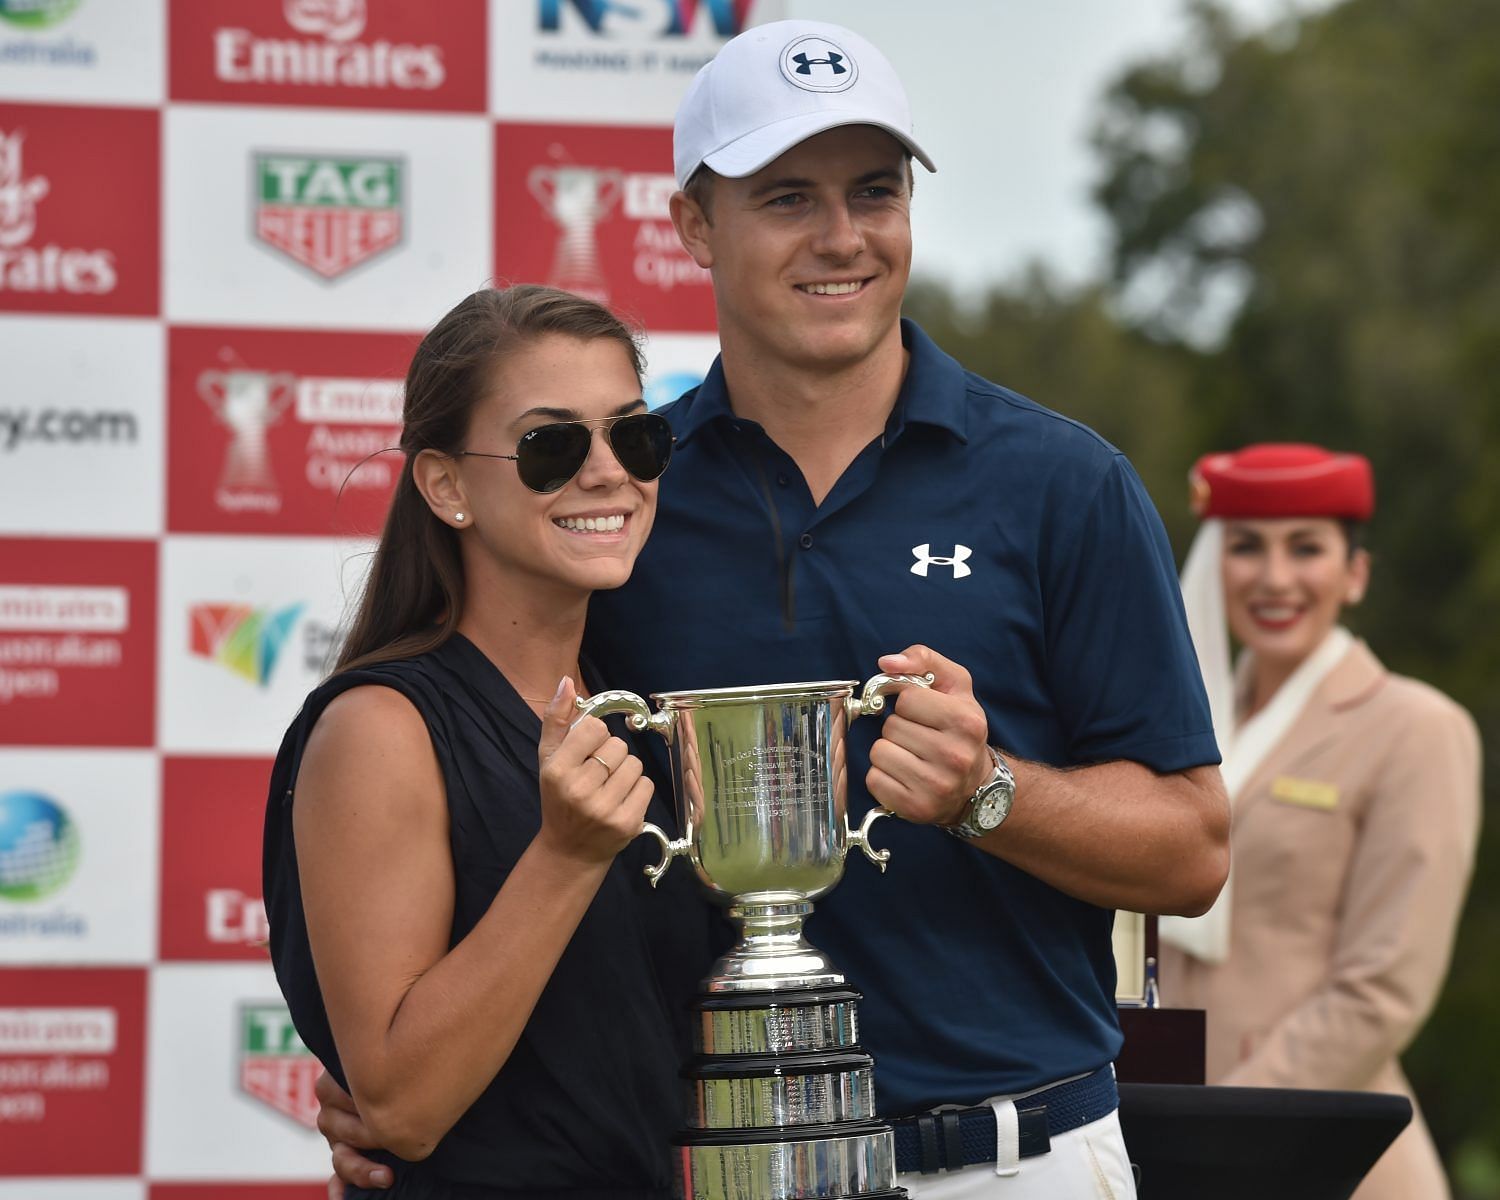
329 213
38 846
958 561
275 1067
815 64
243 639
646 18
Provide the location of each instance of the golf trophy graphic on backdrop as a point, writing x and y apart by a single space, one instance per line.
577 199
247 403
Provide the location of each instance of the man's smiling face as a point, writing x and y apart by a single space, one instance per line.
810 255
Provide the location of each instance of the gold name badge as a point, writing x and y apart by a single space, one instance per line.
1309 793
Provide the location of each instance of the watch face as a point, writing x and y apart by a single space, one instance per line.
990 811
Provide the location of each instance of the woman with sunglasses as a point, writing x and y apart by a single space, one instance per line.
457 936
1356 803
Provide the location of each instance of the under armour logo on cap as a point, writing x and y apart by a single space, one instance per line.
777 85
817 65
805 64
958 560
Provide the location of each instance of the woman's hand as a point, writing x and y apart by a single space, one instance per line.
340 1124
594 794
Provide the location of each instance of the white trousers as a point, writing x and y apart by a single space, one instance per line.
1087 1163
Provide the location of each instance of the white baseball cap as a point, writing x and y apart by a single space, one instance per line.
776 85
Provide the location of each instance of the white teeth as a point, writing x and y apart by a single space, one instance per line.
832 289
610 524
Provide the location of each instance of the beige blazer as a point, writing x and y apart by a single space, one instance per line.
1352 848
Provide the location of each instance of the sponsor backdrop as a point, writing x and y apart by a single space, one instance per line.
224 226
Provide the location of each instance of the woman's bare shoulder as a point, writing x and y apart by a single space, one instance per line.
370 741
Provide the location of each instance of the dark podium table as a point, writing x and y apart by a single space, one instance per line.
1222 1143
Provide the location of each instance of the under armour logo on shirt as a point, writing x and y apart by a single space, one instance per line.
805 64
958 560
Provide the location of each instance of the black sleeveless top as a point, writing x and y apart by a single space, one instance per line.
588 1100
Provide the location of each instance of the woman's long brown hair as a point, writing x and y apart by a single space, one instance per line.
414 594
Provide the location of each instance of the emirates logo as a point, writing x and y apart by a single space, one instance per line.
47 268
336 20
327 52
18 195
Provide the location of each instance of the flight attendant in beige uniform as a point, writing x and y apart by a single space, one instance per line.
1355 796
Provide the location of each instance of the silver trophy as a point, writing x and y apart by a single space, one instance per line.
781 1095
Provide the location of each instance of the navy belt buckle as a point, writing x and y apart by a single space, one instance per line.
1035 1131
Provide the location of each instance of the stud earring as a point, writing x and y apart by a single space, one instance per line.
459 517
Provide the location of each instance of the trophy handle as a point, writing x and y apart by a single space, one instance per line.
670 849
283 392
861 837
212 389
542 183
611 183
641 717
872 699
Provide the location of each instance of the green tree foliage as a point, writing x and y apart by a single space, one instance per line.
1307 248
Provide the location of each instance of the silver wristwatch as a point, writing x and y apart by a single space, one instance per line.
990 804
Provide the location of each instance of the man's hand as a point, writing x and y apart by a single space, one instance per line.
339 1122
932 753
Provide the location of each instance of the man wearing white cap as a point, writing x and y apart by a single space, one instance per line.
842 489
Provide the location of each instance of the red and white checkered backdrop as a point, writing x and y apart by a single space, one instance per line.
224 226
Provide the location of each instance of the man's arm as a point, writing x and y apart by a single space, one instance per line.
1116 834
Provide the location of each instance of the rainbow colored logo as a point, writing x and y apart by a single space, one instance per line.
245 639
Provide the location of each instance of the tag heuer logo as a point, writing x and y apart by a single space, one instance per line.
329 214
275 1067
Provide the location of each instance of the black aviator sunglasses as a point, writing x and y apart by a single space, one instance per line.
549 455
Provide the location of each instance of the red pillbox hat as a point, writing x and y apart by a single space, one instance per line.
1283 480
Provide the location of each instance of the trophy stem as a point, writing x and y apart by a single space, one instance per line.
771 955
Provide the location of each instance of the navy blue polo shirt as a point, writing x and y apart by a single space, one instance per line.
1011 540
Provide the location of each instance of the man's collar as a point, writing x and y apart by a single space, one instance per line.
710 399
932 392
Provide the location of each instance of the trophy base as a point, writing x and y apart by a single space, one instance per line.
772 955
777 1091
781 1022
849 1161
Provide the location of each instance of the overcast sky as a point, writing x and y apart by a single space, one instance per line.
1004 94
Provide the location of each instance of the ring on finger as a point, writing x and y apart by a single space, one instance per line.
608 770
